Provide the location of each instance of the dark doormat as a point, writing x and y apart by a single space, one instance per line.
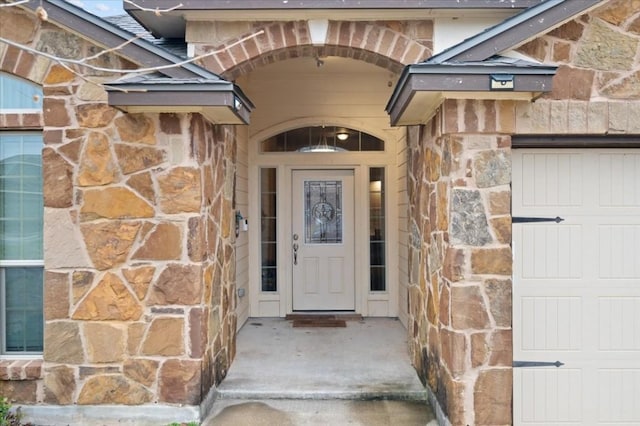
316 319
319 322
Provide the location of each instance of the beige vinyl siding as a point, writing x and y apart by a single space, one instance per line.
403 234
242 242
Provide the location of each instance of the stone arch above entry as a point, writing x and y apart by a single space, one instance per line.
390 45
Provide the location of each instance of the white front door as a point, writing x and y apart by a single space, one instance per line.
322 240
576 287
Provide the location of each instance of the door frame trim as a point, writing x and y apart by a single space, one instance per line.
383 304
306 172
360 203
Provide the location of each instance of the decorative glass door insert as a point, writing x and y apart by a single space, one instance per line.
323 212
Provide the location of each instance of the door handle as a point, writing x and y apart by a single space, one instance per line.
295 253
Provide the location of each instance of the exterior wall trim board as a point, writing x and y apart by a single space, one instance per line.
575 141
171 98
477 82
217 95
334 4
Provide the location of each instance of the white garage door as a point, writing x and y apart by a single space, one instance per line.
577 286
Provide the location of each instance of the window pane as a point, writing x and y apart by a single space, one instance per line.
323 212
268 205
377 278
18 93
21 202
268 181
269 279
297 139
21 217
23 309
322 139
377 235
268 254
377 253
371 143
352 143
273 144
268 228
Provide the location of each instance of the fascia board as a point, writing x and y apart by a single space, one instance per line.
516 30
101 32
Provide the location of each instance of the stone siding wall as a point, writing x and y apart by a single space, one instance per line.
139 252
597 87
460 268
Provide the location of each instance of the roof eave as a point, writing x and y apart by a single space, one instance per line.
171 21
105 34
423 88
516 30
219 103
152 5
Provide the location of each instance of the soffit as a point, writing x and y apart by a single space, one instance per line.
171 23
341 91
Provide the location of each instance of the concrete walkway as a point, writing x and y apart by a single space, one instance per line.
360 374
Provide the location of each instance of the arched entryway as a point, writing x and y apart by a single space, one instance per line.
345 79
323 94
317 72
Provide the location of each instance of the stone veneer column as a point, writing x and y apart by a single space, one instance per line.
139 253
460 260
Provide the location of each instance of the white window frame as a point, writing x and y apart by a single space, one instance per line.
5 264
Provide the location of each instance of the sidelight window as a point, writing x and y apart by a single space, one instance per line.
377 234
269 222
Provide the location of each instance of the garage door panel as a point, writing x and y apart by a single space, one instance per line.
619 254
576 296
619 323
619 173
552 179
618 395
539 387
553 251
551 323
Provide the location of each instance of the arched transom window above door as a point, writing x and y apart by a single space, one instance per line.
322 139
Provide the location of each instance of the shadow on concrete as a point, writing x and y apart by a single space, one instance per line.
360 374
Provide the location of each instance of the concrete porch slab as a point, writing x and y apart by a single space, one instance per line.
357 375
367 360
